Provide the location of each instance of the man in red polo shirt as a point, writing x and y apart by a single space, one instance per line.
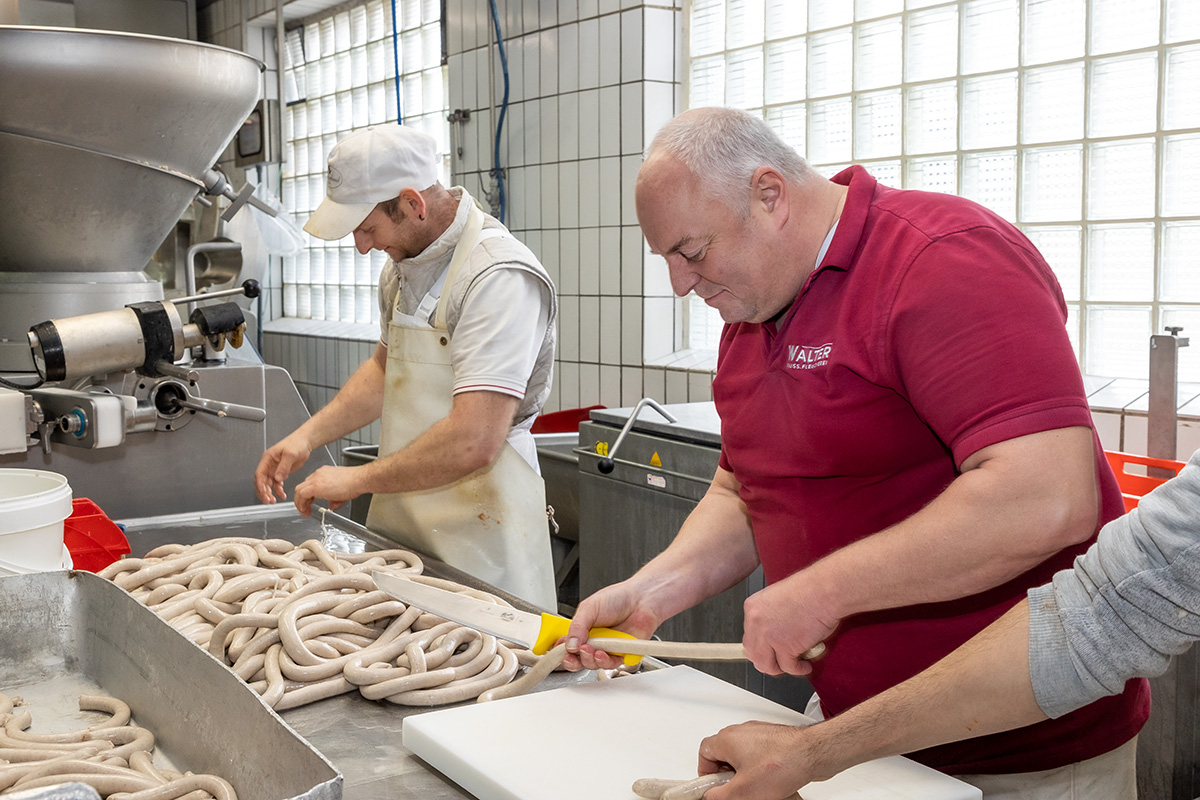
906 443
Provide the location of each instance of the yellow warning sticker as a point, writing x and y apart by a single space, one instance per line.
655 461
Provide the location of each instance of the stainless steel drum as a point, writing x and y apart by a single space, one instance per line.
104 141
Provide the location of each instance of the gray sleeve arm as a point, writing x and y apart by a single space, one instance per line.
1130 603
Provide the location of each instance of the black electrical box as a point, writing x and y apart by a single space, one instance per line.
257 141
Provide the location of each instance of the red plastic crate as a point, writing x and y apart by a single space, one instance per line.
566 421
1134 486
93 540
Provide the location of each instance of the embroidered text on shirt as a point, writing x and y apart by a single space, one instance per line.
808 356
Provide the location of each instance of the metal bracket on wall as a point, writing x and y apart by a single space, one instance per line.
461 116
1161 422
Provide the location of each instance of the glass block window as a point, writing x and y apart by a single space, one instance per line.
1078 120
340 77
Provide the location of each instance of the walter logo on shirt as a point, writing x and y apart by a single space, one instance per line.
802 356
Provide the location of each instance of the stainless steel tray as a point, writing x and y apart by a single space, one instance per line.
71 633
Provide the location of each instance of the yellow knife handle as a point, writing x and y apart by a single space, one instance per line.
555 627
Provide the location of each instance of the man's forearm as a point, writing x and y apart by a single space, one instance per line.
983 687
1129 604
357 404
713 550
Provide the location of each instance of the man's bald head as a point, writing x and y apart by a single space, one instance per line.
723 147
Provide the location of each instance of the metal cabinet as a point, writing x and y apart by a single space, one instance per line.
628 516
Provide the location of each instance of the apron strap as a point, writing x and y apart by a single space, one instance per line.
430 300
463 249
425 309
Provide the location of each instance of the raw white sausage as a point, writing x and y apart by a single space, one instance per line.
694 789
112 756
301 623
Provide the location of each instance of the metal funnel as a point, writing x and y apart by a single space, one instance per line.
104 141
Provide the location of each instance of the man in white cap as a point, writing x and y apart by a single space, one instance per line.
462 369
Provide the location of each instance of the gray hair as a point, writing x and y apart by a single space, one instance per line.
723 147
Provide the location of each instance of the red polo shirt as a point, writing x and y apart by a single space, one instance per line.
931 329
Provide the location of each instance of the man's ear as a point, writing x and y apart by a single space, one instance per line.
769 193
414 200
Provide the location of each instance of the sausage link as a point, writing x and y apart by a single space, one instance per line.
180 787
696 788
118 710
550 662
103 784
653 788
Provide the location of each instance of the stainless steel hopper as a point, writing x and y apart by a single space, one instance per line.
105 139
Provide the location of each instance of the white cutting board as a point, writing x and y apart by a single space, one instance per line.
592 741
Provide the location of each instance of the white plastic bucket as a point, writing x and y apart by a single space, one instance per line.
33 505
17 569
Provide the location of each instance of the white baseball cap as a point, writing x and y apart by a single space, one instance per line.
368 167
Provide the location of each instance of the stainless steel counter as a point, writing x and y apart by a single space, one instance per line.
361 737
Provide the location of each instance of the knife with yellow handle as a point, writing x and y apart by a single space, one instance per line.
539 632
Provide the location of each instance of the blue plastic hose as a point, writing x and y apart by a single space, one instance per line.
496 170
396 62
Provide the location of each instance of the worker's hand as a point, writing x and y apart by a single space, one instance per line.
771 761
615 606
277 464
782 622
335 484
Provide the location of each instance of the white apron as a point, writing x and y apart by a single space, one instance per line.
492 523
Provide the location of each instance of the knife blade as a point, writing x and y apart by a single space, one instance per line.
536 632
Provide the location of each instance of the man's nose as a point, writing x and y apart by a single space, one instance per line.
683 278
362 242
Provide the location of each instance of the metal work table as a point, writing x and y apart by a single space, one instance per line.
361 737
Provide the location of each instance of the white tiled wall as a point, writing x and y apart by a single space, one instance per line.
590 84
